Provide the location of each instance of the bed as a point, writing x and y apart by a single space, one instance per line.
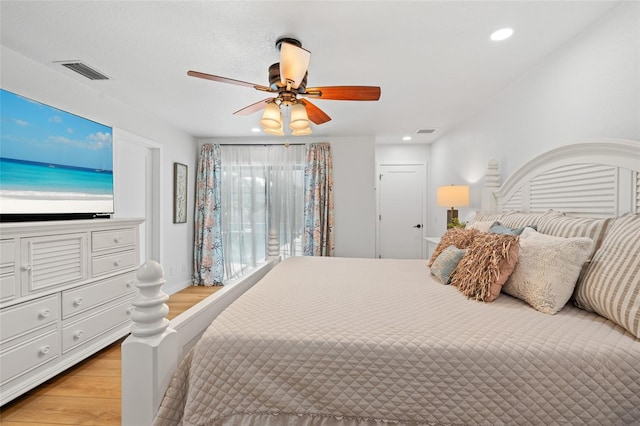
331 341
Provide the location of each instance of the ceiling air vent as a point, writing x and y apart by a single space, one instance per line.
83 70
424 131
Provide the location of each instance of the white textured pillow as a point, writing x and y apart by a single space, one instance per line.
547 269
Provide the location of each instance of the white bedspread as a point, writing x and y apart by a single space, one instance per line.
366 341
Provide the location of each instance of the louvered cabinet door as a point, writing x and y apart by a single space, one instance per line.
52 261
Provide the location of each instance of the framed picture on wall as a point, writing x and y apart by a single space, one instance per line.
179 193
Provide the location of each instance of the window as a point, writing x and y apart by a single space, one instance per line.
262 197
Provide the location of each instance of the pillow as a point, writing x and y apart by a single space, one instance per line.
566 226
482 226
459 237
486 266
547 270
484 217
611 285
446 263
516 219
498 228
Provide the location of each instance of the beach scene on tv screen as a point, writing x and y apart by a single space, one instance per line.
52 161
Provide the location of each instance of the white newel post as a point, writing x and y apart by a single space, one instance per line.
488 202
149 354
273 245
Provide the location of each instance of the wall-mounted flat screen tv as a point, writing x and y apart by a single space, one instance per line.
53 164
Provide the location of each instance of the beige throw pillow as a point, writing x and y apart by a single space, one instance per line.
611 285
482 226
547 270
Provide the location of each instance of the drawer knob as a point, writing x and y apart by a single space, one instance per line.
27 267
129 284
117 262
78 334
117 239
44 350
44 313
129 310
78 301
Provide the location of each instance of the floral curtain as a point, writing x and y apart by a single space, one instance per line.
318 205
207 251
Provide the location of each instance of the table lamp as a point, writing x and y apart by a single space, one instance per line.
453 196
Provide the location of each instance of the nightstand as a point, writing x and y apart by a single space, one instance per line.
432 242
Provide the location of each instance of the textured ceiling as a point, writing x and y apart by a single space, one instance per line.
433 59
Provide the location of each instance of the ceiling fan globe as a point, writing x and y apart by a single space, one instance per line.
271 118
299 117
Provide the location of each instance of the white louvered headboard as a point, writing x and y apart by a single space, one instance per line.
600 178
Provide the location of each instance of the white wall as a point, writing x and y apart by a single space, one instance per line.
402 153
588 88
36 81
354 189
355 199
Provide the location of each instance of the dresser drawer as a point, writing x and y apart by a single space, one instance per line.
91 295
23 358
111 240
101 265
94 324
29 316
8 282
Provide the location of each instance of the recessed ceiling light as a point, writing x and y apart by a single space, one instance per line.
255 130
406 138
501 34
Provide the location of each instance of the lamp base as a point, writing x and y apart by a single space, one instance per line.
451 214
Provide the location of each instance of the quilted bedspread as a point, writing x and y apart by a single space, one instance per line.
324 341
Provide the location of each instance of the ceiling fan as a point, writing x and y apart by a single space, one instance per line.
288 81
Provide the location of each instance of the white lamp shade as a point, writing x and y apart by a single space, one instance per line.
294 62
453 196
276 132
299 118
302 132
271 118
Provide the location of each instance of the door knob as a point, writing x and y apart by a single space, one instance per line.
418 226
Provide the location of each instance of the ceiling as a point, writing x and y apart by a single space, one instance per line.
433 59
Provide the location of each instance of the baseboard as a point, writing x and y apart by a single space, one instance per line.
175 287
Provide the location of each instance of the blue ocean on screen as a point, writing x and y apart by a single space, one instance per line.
20 175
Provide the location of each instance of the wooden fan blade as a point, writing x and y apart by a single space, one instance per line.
314 113
253 107
344 93
227 80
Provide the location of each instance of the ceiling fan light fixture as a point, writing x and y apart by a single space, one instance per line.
276 132
294 62
302 132
271 117
299 117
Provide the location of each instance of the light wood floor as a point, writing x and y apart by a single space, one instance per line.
88 393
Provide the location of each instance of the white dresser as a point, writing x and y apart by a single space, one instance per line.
65 292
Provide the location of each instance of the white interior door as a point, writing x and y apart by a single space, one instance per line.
401 207
136 183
